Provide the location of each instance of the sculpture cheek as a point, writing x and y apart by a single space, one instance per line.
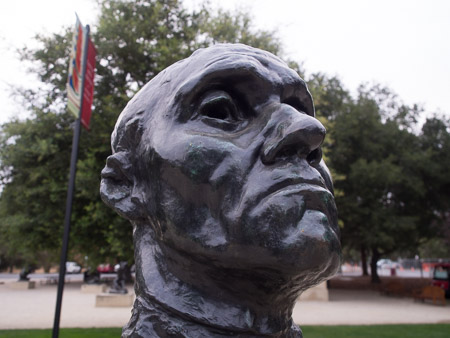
201 159
193 176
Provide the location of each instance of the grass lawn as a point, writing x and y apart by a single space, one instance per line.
378 331
362 331
63 333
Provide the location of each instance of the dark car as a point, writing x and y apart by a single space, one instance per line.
441 277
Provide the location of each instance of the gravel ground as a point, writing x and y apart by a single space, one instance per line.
35 309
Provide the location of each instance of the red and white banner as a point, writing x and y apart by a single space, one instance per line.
81 53
88 92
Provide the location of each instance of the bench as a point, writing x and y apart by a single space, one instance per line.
430 292
49 280
394 288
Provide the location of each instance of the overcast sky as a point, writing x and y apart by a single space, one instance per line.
402 44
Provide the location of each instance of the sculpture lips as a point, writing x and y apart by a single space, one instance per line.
305 189
316 197
302 186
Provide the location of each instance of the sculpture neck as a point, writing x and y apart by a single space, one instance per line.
170 285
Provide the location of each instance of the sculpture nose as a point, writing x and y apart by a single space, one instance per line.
297 134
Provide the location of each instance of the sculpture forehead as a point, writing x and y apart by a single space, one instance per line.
213 65
228 61
194 74
231 56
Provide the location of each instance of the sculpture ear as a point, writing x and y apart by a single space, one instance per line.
117 187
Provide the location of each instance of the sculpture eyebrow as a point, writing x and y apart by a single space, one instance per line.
229 76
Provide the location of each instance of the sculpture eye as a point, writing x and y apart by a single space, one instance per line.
218 105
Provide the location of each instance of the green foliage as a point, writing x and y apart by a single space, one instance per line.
330 96
34 158
435 248
222 28
63 333
135 40
391 186
435 146
377 331
389 194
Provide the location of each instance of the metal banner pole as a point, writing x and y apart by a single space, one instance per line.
70 191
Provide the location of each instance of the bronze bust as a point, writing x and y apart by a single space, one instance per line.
217 164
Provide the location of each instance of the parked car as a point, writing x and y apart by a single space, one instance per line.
105 268
441 277
72 267
387 264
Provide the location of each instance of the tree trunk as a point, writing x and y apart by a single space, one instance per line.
373 266
365 272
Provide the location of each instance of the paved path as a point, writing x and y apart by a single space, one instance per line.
356 307
35 309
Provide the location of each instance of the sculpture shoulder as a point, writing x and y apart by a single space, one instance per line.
154 322
156 330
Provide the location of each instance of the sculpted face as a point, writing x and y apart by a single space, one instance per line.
228 166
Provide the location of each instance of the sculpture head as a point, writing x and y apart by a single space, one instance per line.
219 156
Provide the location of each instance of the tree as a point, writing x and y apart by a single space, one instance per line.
380 167
330 96
135 40
33 157
435 146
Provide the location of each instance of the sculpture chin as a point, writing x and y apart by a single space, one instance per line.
298 228
289 232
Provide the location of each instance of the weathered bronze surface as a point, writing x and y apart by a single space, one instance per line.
217 164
